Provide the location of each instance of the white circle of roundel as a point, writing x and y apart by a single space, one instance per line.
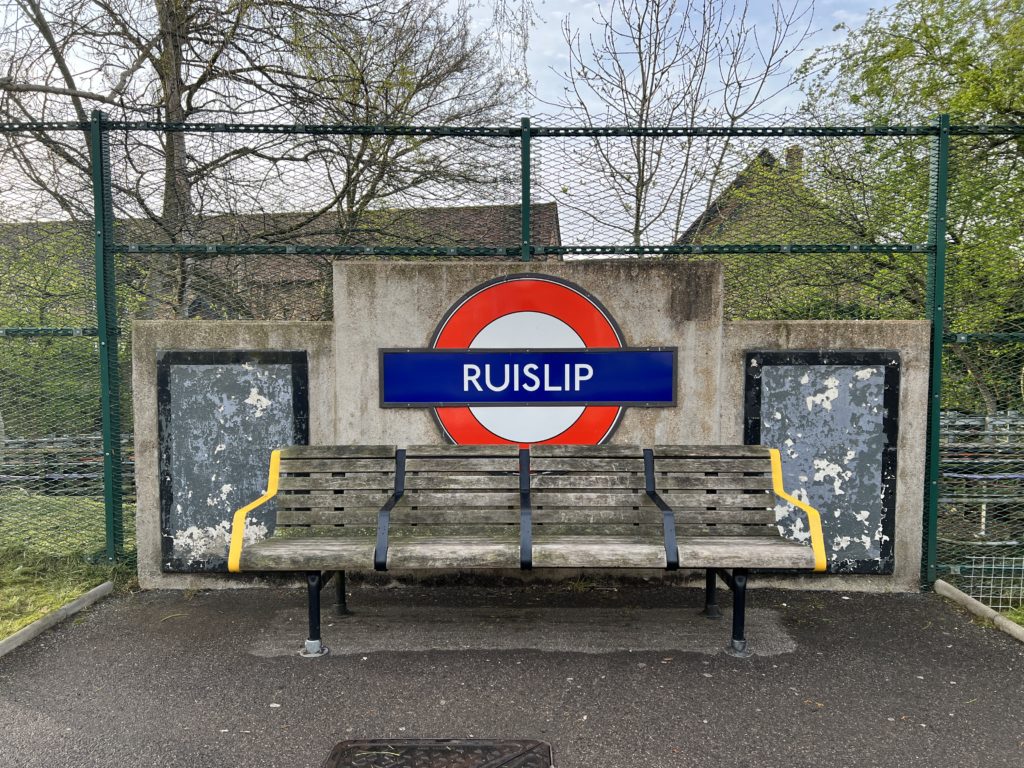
519 424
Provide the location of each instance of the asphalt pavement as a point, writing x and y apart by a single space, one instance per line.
611 675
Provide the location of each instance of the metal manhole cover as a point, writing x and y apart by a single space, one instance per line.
439 753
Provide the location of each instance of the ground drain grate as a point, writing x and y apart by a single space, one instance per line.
439 753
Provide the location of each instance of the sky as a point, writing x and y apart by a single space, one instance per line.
547 52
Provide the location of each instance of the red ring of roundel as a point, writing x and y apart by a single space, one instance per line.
528 293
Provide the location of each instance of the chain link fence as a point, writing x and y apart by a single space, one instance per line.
980 515
51 450
244 221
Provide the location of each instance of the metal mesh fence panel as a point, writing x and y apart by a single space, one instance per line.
248 227
51 452
808 224
996 581
981 492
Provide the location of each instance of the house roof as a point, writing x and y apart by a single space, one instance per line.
471 226
727 204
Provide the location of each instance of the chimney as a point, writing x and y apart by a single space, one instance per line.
795 159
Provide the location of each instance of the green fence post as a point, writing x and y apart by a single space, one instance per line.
524 144
106 322
938 197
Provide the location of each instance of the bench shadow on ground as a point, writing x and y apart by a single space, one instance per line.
583 615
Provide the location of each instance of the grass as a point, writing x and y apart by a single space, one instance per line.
32 585
1016 615
46 547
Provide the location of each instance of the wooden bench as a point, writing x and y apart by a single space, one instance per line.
471 507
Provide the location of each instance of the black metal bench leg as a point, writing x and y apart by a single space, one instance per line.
313 645
711 594
738 646
342 598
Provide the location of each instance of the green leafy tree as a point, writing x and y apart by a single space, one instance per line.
905 65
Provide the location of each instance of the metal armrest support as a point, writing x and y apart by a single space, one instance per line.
239 518
668 515
525 512
813 516
380 551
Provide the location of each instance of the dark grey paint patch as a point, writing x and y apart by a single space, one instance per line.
221 414
833 417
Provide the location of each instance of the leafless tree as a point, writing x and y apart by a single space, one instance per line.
661 63
188 61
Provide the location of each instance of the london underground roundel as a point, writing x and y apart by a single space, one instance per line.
528 312
527 359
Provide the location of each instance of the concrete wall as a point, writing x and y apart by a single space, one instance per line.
149 337
911 339
399 304
381 304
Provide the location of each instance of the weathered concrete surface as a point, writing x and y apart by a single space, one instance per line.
150 336
627 679
399 304
911 339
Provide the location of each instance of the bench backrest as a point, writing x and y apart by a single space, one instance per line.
713 490
595 488
458 485
334 485
717 490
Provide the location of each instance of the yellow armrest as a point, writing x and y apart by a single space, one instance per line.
238 521
813 517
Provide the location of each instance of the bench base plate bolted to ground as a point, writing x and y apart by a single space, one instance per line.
484 507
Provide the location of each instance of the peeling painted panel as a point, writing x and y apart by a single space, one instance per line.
221 413
833 416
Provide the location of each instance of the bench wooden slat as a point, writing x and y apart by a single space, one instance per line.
758 499
312 554
578 464
455 552
706 466
459 499
576 498
344 500
609 517
743 552
652 530
710 452
338 452
435 481
542 482
462 451
338 465
428 465
327 516
729 482
586 451
597 552
355 481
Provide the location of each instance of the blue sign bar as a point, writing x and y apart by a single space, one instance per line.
451 377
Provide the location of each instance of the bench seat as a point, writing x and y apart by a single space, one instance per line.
328 553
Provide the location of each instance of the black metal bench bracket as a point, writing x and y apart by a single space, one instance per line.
525 512
380 551
668 515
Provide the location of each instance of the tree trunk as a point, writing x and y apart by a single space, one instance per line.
177 204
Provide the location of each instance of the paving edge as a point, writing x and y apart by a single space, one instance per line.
39 626
1013 629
